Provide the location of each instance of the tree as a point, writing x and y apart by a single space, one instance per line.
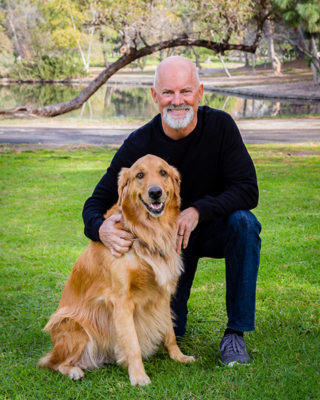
21 18
212 24
5 42
274 60
43 36
304 17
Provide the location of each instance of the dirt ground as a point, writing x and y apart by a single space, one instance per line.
297 89
295 80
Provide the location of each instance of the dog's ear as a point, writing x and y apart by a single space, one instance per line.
176 182
123 179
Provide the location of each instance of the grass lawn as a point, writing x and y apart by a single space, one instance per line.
42 194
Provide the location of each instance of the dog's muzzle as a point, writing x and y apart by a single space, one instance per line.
155 206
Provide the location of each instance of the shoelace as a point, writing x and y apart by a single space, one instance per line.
231 343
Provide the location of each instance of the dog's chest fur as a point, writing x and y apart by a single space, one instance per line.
164 268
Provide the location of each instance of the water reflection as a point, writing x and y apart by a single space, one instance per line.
254 108
136 102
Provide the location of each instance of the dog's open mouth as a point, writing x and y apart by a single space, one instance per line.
155 207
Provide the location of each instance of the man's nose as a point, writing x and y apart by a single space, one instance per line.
177 99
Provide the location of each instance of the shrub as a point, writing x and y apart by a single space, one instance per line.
48 68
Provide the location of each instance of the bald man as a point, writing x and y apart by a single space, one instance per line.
218 188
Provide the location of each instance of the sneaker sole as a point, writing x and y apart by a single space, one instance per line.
233 363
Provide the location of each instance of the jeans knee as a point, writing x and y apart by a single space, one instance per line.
244 222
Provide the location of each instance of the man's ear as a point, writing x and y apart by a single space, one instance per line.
123 178
154 95
200 92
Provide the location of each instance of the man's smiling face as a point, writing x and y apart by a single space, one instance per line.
178 93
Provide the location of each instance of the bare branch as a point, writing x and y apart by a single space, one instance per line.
143 40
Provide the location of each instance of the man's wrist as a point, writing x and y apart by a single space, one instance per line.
196 211
100 229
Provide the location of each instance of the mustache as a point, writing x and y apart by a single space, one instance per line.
178 108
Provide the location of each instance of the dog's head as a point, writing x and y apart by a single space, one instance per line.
150 186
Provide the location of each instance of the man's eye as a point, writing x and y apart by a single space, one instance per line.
163 172
140 175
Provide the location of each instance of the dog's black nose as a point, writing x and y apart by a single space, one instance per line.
155 192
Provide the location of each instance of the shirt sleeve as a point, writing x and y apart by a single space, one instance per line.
240 188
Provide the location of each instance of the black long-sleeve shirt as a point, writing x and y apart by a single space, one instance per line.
217 173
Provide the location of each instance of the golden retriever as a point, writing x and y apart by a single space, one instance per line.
118 309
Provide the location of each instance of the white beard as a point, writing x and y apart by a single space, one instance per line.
178 123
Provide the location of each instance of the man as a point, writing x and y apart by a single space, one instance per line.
218 188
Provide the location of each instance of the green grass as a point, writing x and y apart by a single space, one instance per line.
42 194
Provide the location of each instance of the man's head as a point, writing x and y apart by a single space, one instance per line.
178 92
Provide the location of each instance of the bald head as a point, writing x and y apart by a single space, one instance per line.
174 64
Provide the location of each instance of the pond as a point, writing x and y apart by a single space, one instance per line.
112 102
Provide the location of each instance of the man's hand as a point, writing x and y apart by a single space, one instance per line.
187 221
117 240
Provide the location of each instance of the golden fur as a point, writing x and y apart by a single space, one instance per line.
118 309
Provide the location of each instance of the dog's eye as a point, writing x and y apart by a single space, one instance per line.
140 175
163 172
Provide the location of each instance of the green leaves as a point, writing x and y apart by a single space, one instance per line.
301 12
48 68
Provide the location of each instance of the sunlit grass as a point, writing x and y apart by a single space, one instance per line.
42 194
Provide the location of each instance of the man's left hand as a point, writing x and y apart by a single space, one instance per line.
187 221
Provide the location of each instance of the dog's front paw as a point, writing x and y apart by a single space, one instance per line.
141 380
186 359
74 373
176 354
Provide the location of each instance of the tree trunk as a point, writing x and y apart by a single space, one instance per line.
224 66
253 61
197 58
92 29
315 64
21 47
273 59
83 58
271 52
246 60
303 43
104 53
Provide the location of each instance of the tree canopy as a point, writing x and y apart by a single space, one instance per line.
305 13
304 17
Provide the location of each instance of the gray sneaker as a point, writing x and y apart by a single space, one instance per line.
233 349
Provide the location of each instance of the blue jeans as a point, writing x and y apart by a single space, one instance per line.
235 238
